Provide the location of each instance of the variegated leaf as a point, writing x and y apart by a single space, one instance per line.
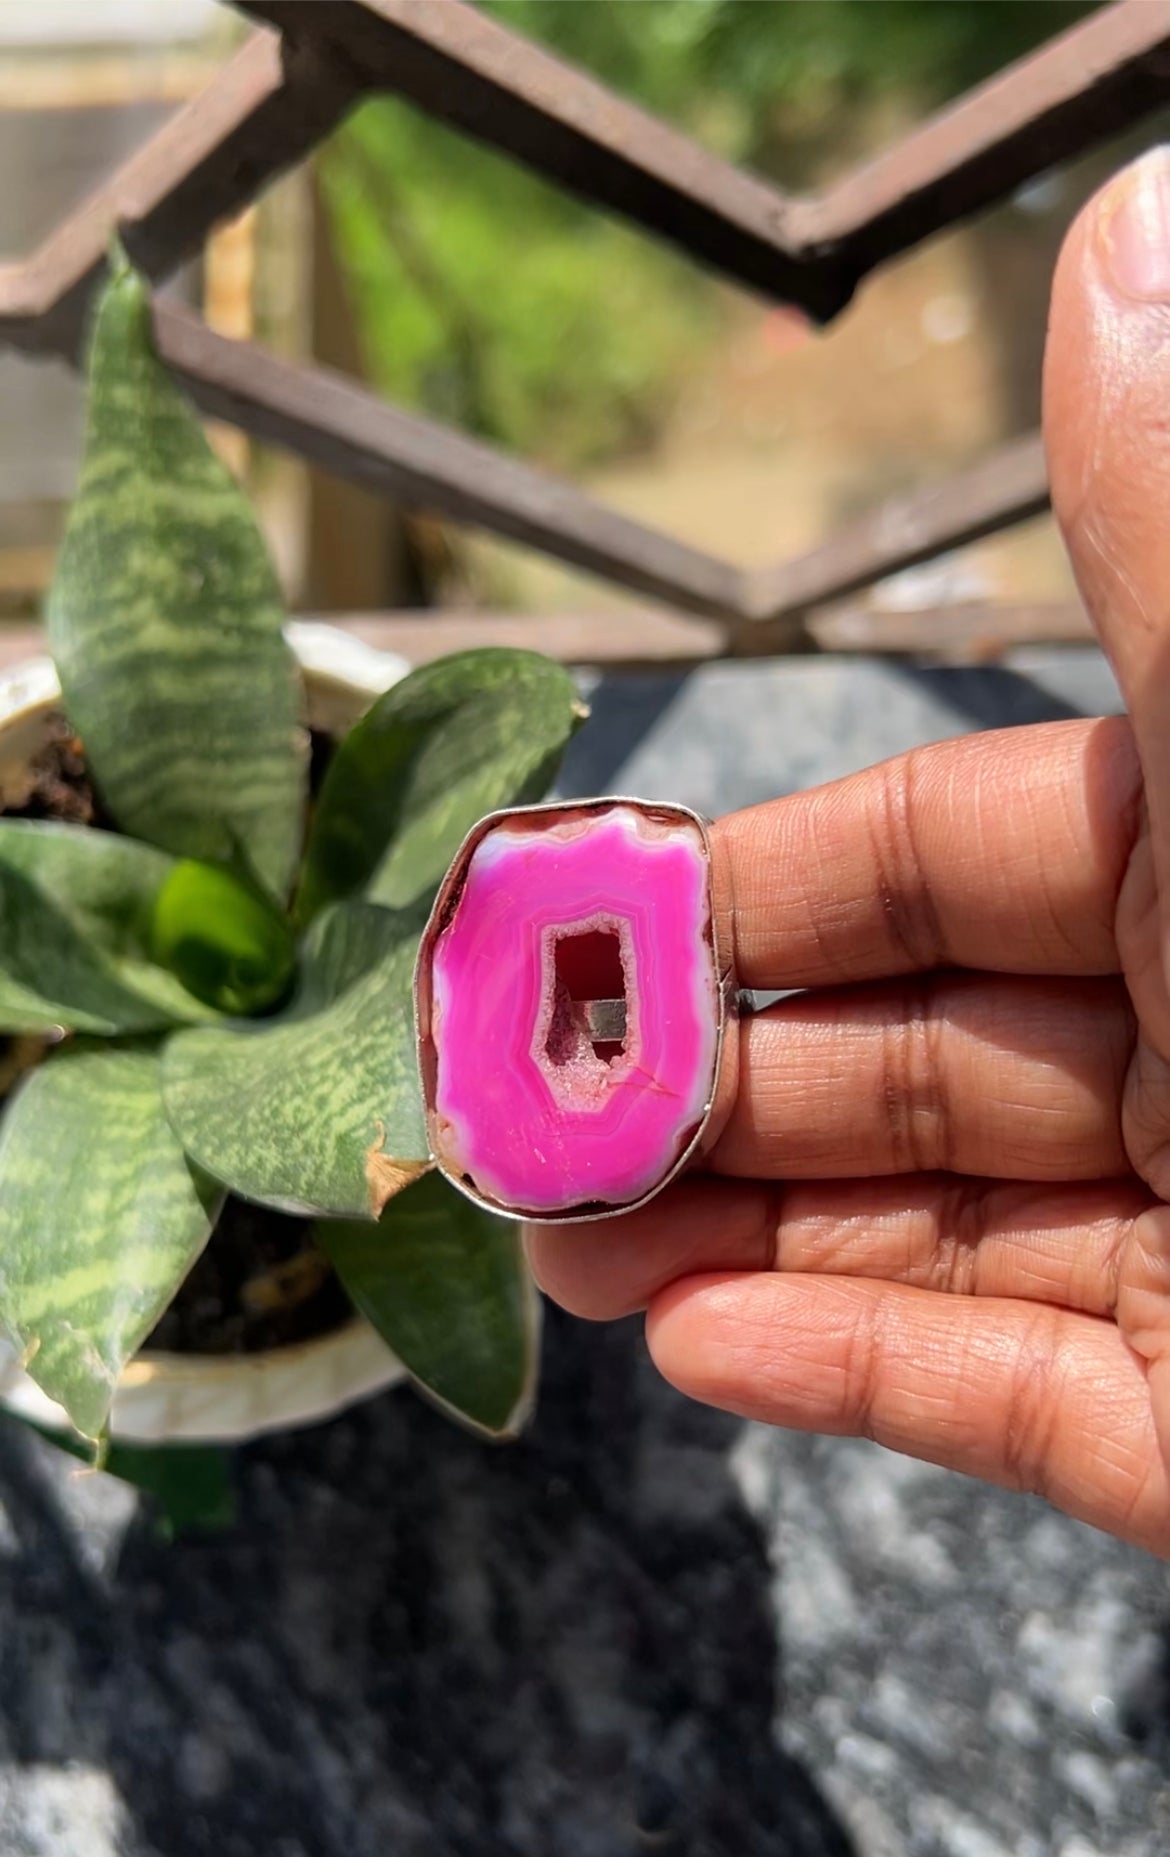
457 738
164 618
103 1216
318 1109
223 938
76 932
446 1285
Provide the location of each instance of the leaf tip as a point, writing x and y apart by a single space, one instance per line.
117 257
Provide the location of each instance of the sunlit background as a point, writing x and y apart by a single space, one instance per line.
454 282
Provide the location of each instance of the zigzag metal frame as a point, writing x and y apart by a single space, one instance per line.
285 90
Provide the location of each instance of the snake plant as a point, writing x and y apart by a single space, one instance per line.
231 967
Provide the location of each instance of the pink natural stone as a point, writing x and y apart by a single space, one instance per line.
552 909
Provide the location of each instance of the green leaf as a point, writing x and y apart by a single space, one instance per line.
103 1218
446 1285
455 739
318 1109
190 1485
165 620
224 941
76 913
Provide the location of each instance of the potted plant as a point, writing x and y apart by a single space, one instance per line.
212 1137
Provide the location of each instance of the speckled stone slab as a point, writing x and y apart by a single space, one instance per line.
644 1628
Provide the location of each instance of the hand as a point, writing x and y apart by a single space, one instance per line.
935 1217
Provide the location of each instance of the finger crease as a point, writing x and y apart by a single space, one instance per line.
1033 1405
911 1070
961 1227
862 1370
774 1196
1119 1246
912 919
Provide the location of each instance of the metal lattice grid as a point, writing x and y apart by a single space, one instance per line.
310 61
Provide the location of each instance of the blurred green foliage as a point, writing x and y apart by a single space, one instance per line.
488 298
495 301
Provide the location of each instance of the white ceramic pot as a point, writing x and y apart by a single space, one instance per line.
226 1398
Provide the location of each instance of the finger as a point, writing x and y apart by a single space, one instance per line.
1107 382
1142 1304
1033 1398
1073 1246
610 1268
1017 1078
1002 851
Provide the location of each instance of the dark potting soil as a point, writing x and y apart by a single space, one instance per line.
262 1282
62 788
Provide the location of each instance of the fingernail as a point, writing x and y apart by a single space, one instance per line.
1134 228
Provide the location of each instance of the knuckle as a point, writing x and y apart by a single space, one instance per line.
912 922
1034 1378
862 1371
913 1083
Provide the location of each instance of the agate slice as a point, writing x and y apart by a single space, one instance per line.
570 1008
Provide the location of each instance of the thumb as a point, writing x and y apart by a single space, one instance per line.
1107 433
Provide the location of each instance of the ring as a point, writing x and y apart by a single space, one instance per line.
575 1007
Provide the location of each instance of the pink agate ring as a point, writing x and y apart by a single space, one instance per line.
572 1003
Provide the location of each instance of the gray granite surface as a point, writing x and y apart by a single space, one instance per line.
644 1628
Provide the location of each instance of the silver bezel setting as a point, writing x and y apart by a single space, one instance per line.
446 900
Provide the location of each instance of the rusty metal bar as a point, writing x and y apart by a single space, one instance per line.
653 640
465 68
1007 486
344 428
260 114
650 639
960 634
1092 81
642 638
276 98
